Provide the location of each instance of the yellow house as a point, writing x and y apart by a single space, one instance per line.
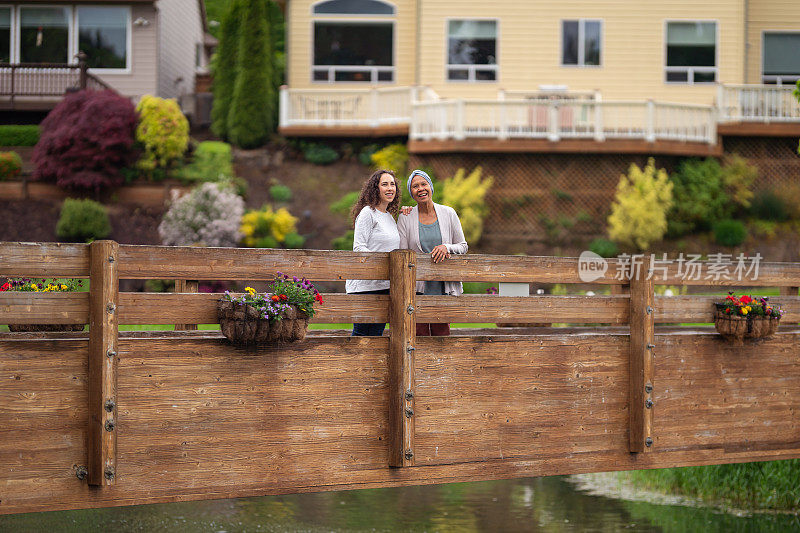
441 69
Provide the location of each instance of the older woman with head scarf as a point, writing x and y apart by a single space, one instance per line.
435 229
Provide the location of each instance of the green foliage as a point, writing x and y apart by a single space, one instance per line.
365 155
294 240
211 161
280 193
738 176
343 205
319 154
639 211
393 157
10 165
82 221
699 195
467 195
19 135
729 232
604 248
345 242
224 66
163 132
769 206
253 108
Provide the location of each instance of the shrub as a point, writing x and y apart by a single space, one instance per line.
280 193
769 206
393 157
266 223
699 197
209 216
211 161
604 248
738 176
252 113
19 135
224 67
345 242
86 140
790 193
639 211
10 165
82 221
365 155
294 240
163 132
467 195
729 232
319 154
343 205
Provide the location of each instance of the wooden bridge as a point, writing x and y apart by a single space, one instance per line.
107 418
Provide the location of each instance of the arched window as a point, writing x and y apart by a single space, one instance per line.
353 41
353 7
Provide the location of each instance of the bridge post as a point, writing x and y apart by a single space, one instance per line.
640 398
182 286
403 277
103 336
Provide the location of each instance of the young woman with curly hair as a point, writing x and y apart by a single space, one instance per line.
375 231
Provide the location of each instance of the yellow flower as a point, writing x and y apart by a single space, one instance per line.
34 287
63 287
745 310
251 290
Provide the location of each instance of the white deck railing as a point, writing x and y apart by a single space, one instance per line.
757 103
517 114
556 119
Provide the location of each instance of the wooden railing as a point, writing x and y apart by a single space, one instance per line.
554 402
757 103
46 79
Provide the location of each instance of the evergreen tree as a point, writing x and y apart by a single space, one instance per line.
252 112
225 67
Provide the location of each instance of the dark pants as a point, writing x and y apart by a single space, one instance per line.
433 330
370 329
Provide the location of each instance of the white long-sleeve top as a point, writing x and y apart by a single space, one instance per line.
374 232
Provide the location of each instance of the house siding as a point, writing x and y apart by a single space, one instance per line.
766 15
180 31
299 28
529 46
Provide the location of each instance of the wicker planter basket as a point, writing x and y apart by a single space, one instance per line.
737 328
241 324
40 328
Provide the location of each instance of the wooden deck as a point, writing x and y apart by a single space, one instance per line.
184 415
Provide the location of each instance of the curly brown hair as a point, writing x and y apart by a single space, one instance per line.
371 195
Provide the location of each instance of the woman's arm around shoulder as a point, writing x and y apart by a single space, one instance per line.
363 230
459 245
403 229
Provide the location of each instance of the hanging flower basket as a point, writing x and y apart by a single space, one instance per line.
280 315
739 318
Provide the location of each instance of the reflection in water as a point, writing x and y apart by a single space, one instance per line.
534 504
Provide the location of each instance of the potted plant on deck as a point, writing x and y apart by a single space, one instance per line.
279 315
738 318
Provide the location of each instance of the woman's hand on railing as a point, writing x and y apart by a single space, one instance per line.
440 253
406 210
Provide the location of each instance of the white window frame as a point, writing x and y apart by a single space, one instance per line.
471 68
129 38
582 43
777 79
373 70
17 31
690 71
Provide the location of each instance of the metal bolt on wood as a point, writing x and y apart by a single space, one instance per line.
110 258
648 442
409 395
111 354
648 388
649 310
109 472
109 405
111 307
410 348
109 425
81 472
409 454
410 309
409 413
651 346
648 403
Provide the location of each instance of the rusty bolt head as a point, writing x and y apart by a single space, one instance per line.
109 425
81 472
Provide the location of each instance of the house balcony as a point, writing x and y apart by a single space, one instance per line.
547 122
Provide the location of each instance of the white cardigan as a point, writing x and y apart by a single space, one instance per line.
452 238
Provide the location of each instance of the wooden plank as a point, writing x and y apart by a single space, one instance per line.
103 334
484 308
533 269
640 377
44 307
44 260
402 320
186 286
759 129
169 308
248 264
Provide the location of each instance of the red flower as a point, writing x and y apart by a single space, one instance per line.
318 297
5 287
745 300
275 298
284 297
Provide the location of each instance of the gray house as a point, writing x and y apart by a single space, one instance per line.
134 47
